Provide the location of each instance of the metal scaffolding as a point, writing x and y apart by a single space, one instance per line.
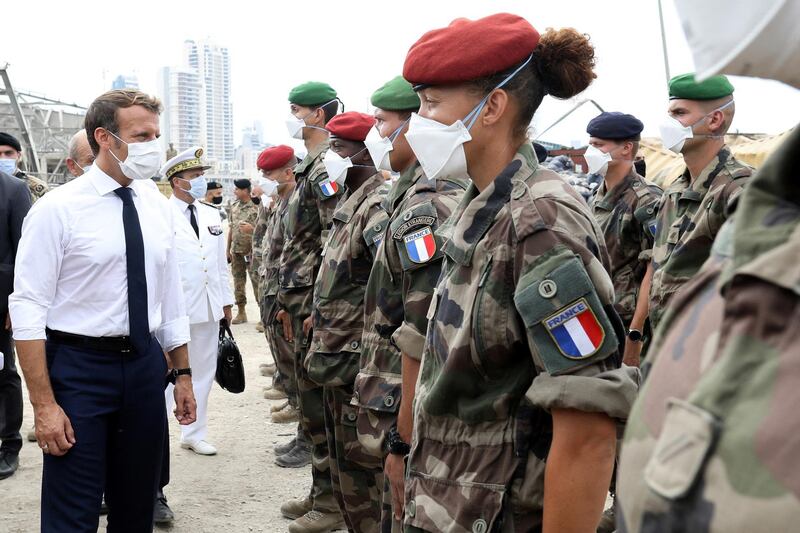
43 125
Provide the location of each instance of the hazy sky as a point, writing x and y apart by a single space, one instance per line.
73 50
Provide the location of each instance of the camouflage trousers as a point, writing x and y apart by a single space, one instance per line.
312 420
356 475
282 350
240 268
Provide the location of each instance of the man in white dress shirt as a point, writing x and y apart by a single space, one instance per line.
97 302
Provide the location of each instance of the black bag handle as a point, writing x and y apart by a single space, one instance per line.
225 328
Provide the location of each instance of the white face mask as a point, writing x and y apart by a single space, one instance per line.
336 166
597 160
674 134
295 125
440 148
268 186
144 159
380 147
755 38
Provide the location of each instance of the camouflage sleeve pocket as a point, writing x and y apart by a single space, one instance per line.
413 233
567 326
374 233
646 217
687 438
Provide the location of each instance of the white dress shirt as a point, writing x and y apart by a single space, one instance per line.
202 260
71 271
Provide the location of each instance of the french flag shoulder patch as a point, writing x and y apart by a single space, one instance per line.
420 245
575 330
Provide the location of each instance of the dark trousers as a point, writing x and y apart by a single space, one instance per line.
115 402
10 397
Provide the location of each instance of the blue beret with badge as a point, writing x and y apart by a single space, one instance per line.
614 125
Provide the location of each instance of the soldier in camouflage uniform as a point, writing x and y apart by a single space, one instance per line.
10 156
399 289
522 358
338 317
240 244
712 444
306 224
624 206
265 212
695 206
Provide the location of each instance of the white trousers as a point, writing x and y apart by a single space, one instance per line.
203 360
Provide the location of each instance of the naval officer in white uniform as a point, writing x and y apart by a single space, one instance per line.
204 274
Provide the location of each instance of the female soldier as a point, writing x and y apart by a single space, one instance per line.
520 386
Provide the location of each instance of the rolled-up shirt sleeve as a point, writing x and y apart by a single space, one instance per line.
174 329
37 269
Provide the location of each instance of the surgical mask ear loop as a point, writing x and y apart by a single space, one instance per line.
396 133
470 119
711 135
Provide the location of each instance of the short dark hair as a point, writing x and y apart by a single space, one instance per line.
102 112
330 109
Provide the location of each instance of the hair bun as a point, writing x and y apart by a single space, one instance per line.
564 61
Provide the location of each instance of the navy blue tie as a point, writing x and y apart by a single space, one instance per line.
137 280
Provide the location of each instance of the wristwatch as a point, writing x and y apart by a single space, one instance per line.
635 335
395 444
175 372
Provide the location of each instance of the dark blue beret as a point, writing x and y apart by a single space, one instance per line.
242 183
615 125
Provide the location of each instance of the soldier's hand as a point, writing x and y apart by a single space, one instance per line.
185 404
633 351
284 318
395 470
307 323
53 429
246 228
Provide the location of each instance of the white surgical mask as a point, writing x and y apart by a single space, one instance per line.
268 186
674 134
756 38
143 161
295 125
597 160
336 166
440 148
380 147
9 166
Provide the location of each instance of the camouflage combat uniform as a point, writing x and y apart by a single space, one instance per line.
242 249
281 349
626 214
333 358
308 217
37 187
264 213
711 444
689 216
396 301
524 267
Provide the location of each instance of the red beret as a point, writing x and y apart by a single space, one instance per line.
275 157
470 49
351 126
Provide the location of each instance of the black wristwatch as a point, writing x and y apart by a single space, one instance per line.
395 443
172 377
635 335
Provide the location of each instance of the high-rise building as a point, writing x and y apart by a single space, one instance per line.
181 121
212 64
125 82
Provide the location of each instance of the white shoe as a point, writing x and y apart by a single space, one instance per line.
200 447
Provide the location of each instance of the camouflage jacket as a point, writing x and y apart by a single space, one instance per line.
398 294
37 187
712 443
264 214
626 214
338 316
518 326
272 247
305 224
689 216
242 243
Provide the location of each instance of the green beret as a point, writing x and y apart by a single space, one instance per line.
685 86
312 93
396 95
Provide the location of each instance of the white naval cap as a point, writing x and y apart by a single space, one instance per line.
191 158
